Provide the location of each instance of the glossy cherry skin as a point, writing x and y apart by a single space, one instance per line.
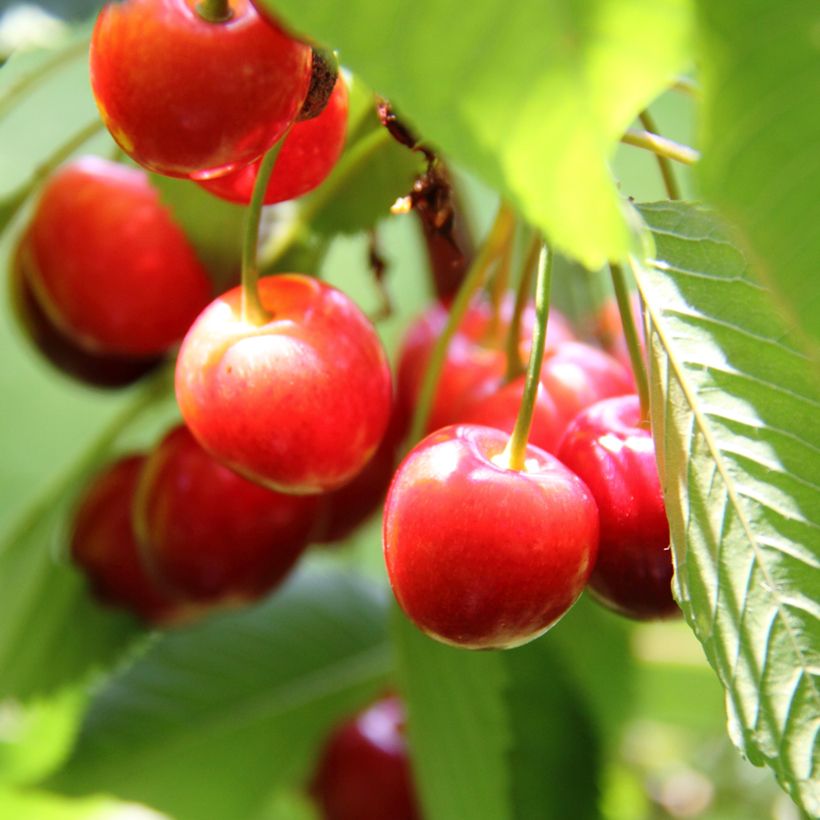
577 375
308 154
475 361
364 770
500 410
210 535
186 97
103 545
481 556
615 456
95 370
107 263
299 403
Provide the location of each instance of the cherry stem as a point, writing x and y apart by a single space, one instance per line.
661 146
515 453
631 335
252 310
685 85
515 367
501 280
214 11
493 246
665 166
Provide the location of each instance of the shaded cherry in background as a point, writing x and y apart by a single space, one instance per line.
308 154
96 370
615 456
364 769
198 98
108 265
608 328
299 403
479 555
210 535
476 358
104 547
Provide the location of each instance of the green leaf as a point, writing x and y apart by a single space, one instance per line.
734 412
500 735
52 633
761 67
531 97
240 699
213 227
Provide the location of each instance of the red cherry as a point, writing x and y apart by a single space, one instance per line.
93 369
577 375
184 96
615 456
364 770
609 329
107 263
299 403
480 555
500 410
307 156
210 535
475 363
104 547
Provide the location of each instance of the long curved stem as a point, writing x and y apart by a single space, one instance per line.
515 367
252 310
516 450
631 335
664 164
661 146
492 247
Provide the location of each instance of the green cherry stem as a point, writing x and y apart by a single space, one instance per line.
493 246
515 367
631 335
501 280
514 455
214 11
252 310
661 146
664 164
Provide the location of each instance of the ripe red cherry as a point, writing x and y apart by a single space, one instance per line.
308 154
299 403
108 265
210 535
96 370
475 362
104 547
500 410
482 556
577 375
364 770
184 96
615 456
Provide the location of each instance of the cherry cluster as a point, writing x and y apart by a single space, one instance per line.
291 429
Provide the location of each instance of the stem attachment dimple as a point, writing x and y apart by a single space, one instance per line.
214 11
514 455
493 246
632 340
252 310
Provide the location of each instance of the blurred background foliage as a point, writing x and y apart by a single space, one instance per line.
664 746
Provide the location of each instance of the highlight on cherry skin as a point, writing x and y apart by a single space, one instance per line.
209 535
104 547
480 555
607 446
93 369
298 401
364 768
308 154
108 265
178 113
